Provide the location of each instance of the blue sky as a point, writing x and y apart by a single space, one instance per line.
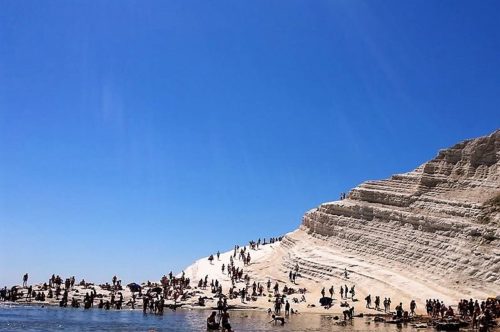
137 136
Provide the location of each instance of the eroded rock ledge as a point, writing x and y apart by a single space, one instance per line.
440 220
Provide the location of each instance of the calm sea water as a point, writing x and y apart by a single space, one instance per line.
33 318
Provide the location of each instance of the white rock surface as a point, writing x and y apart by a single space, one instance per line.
429 233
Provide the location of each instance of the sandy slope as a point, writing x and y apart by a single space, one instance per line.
321 265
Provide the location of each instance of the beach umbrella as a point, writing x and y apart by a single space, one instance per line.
134 287
157 289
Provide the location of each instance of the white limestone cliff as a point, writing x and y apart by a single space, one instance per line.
433 232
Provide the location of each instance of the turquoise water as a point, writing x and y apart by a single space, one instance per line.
34 318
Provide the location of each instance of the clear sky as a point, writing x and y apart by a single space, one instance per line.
138 136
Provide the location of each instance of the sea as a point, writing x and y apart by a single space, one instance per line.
48 318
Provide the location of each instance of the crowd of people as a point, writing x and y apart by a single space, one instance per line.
242 287
481 315
153 295
387 304
57 291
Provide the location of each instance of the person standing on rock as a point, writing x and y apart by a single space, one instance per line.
331 291
368 300
243 295
341 292
287 308
25 280
377 302
277 306
399 310
30 291
428 307
323 292
413 306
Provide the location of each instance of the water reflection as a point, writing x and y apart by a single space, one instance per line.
21 318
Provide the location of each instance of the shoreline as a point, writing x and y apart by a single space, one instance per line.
253 267
418 321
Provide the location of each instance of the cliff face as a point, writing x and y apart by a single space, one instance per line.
440 221
431 233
